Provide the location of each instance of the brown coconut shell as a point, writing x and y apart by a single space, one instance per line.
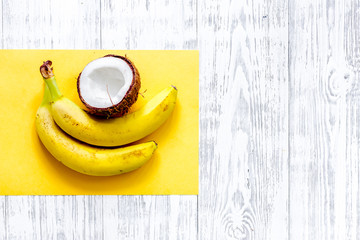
121 108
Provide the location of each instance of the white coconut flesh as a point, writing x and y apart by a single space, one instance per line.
105 81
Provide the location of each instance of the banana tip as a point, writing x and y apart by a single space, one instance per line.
46 70
174 87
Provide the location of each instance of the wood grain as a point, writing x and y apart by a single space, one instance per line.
351 44
323 115
145 217
2 23
244 132
144 24
51 24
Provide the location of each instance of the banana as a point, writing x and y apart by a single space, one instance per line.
108 132
82 157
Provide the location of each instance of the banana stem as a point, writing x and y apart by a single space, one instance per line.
47 97
47 72
54 89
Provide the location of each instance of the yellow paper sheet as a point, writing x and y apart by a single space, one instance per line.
27 168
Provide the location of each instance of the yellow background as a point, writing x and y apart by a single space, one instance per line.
27 168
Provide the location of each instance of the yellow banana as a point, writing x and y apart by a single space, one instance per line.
84 158
109 132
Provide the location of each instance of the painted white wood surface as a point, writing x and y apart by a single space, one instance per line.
323 113
244 108
279 116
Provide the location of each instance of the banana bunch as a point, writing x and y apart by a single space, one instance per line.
70 134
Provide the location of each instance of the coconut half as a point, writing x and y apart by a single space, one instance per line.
108 86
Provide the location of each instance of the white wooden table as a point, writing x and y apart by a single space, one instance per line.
279 118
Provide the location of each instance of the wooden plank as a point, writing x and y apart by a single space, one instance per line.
75 24
20 218
70 217
144 24
24 24
150 217
244 121
351 45
51 24
52 217
3 214
324 173
2 20
351 201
